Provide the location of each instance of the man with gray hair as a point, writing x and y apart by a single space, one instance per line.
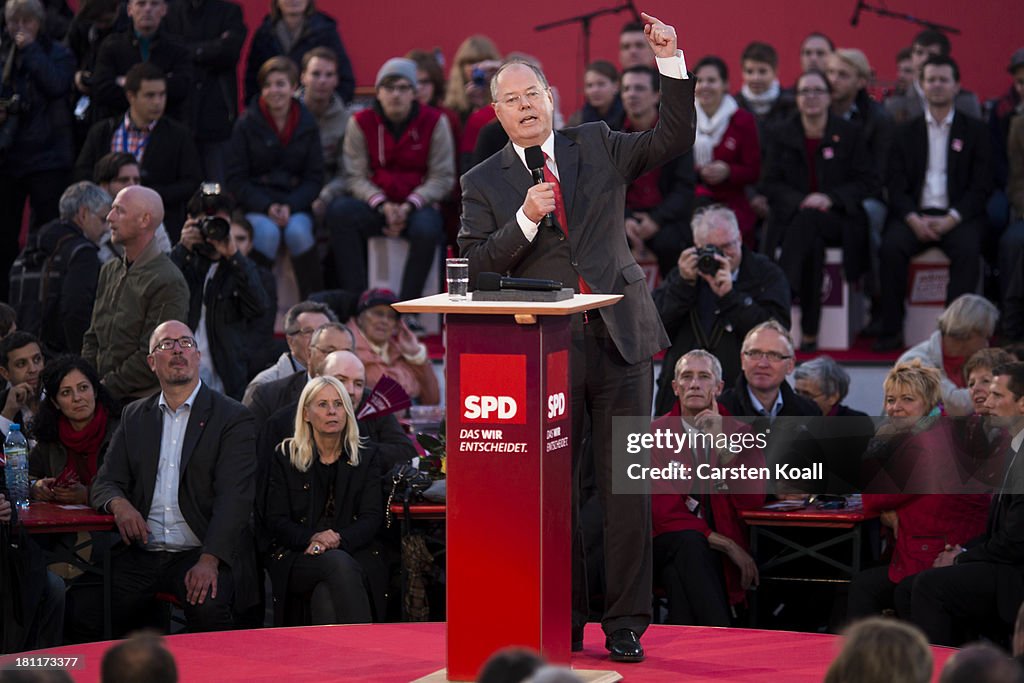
718 292
963 328
53 280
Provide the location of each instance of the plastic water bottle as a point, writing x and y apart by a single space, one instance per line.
16 453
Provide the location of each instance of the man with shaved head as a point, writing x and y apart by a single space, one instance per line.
135 293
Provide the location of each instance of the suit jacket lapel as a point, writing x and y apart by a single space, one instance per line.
957 131
515 172
198 417
151 435
567 157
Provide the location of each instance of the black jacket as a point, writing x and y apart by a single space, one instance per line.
261 347
233 298
121 51
736 400
877 134
269 397
968 167
39 138
66 310
261 172
759 294
320 30
844 171
170 164
213 31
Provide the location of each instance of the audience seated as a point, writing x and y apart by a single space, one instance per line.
977 373
906 74
877 650
1001 113
260 346
72 432
964 328
92 23
53 280
163 148
398 165
300 322
35 129
826 383
761 93
269 397
934 199
689 525
726 151
225 292
924 504
181 497
139 658
815 51
817 173
634 50
113 172
291 30
475 60
8 320
979 584
601 100
981 663
715 311
213 33
147 40
134 294
323 509
927 44
319 78
21 364
659 203
387 346
276 169
1011 243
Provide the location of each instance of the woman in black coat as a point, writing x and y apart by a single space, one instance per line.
816 175
292 29
323 507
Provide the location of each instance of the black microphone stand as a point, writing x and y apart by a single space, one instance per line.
584 21
902 16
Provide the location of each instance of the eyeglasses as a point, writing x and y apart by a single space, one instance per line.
513 101
773 356
400 88
304 332
168 344
811 92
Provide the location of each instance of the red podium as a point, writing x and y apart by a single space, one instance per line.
509 433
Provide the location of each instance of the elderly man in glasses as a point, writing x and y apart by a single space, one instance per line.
179 478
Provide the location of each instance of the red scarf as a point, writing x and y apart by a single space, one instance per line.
290 124
83 447
954 367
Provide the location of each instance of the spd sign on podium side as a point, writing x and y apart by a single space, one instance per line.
509 488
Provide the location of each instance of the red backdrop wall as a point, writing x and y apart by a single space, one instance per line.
375 31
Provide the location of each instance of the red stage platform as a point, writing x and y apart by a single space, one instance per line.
404 652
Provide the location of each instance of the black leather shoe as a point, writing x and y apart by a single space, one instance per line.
886 344
624 646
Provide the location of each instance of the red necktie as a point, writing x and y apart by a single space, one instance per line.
563 221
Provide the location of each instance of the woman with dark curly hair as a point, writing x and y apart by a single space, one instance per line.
72 431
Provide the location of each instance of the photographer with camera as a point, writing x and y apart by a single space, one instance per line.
35 125
225 293
719 292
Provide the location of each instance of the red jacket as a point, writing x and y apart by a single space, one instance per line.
741 149
670 513
399 166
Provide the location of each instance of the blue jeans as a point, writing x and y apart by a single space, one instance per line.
266 238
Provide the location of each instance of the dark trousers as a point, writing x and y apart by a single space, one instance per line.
43 190
962 245
335 581
352 222
803 260
871 591
944 599
691 574
138 575
605 385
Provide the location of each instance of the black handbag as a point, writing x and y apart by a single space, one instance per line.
407 486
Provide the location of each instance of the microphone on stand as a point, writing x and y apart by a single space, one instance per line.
856 13
493 282
535 162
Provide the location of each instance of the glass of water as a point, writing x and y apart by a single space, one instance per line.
457 274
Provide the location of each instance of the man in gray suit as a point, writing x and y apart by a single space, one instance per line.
588 170
179 478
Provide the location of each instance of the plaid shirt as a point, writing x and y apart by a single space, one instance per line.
131 139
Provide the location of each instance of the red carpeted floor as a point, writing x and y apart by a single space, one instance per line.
403 652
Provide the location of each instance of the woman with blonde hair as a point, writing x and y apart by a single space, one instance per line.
467 93
323 508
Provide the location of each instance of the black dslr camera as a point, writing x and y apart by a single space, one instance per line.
706 261
211 226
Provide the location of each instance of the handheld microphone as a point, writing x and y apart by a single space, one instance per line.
493 282
856 13
535 162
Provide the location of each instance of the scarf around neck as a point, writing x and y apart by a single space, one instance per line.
83 447
762 104
711 129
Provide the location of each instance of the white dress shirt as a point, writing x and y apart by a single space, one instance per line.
934 194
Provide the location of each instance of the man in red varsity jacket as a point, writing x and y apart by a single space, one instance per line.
398 164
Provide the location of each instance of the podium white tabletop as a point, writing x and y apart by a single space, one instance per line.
440 303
